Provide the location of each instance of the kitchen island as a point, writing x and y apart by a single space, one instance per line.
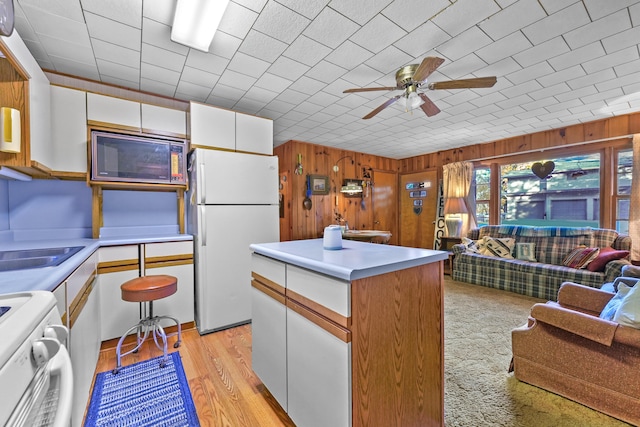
350 337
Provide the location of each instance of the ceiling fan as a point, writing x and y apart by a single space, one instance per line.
412 78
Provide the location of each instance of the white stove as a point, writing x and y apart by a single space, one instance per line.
36 380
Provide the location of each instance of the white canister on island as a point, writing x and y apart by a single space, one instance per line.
332 239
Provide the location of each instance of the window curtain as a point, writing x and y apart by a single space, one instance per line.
634 202
456 183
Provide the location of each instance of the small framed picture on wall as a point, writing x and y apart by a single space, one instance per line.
319 184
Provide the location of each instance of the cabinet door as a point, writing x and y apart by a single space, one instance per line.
84 352
319 374
254 134
108 110
212 127
181 304
69 129
163 120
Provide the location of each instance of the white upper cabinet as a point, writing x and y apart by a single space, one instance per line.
69 129
212 127
164 120
225 129
254 134
107 109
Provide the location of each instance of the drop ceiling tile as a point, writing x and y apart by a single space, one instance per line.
620 57
281 107
159 10
362 76
227 92
23 26
120 82
288 68
37 50
628 68
390 60
206 62
330 28
306 51
360 11
115 32
426 37
308 8
561 76
65 50
348 55
607 84
307 85
248 65
530 73
378 34
464 14
126 11
162 58
116 54
273 82
600 29
560 22
157 73
550 91
576 93
402 12
542 52
622 40
255 5
325 72
57 27
322 98
221 102
512 18
74 68
458 69
123 72
236 80
577 56
237 20
280 22
464 44
198 77
71 10
598 9
158 87
505 47
264 96
224 45
248 106
262 46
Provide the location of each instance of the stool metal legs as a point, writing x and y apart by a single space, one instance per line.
149 325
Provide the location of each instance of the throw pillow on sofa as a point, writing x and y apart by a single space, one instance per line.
526 251
606 254
628 312
472 246
580 257
610 309
498 246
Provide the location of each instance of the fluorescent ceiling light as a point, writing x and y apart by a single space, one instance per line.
196 21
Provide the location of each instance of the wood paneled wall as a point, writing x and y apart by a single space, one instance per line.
582 133
299 223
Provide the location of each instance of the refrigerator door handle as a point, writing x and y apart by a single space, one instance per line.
201 179
203 226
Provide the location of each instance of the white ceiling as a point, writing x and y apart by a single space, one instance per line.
558 62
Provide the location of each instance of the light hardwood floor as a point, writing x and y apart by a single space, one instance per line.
225 390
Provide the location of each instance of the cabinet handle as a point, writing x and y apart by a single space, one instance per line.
201 179
203 226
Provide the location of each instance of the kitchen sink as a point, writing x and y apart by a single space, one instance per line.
36 258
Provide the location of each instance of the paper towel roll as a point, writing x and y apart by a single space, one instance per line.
332 239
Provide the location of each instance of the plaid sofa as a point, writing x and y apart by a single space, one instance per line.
543 278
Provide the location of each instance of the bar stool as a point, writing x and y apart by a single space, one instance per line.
146 290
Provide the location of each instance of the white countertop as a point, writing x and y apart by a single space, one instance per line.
355 260
47 278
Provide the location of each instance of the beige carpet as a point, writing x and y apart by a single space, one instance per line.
478 389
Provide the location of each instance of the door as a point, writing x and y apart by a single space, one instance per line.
226 178
385 203
223 261
418 207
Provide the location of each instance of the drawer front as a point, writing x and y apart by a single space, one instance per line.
81 276
164 249
270 269
118 253
331 293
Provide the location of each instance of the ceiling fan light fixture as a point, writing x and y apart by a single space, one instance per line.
195 22
410 101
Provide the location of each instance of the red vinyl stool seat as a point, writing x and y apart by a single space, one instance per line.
146 290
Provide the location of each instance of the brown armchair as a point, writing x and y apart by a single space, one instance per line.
567 349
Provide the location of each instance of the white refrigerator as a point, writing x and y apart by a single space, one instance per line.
233 202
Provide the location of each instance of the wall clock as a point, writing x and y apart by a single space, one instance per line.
6 17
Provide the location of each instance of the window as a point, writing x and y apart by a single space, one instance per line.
482 187
624 166
567 195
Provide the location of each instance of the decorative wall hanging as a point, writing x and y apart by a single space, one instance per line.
439 231
319 184
543 170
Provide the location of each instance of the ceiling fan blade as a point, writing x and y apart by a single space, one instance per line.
382 107
429 108
426 67
369 89
464 83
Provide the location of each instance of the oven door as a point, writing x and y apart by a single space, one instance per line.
48 398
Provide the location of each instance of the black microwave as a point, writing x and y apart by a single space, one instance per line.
117 157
